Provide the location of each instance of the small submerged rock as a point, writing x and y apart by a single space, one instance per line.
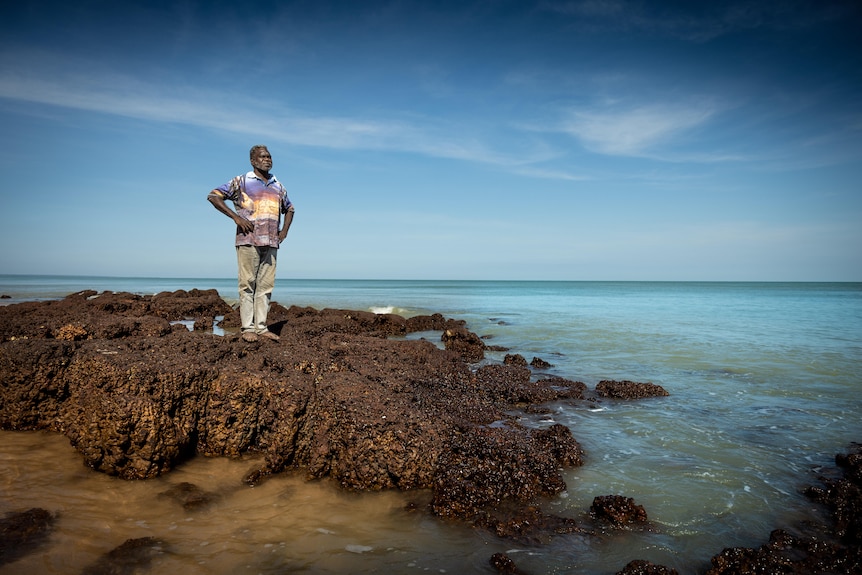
504 565
540 363
189 495
24 532
618 511
133 556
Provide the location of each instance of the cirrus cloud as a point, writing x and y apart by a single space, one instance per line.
635 131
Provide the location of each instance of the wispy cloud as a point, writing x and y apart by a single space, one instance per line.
130 97
78 86
634 131
550 174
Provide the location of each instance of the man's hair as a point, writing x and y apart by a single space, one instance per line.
254 150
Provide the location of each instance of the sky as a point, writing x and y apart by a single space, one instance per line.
481 139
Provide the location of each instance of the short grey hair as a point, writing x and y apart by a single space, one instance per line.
255 149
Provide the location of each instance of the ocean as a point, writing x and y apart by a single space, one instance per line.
764 382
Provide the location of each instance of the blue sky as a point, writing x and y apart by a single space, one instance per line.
554 140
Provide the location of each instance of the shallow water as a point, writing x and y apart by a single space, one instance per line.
764 382
284 525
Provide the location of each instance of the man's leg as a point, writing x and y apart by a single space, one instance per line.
265 285
247 259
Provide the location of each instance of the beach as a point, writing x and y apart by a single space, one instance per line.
763 383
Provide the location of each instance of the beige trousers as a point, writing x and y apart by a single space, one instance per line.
256 281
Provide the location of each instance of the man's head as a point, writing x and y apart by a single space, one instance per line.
261 160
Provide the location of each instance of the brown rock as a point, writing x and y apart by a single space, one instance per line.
106 315
24 532
190 496
641 567
133 556
71 332
465 343
629 389
487 466
504 565
515 359
617 510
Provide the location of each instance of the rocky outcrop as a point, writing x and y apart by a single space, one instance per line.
91 315
842 495
485 467
136 394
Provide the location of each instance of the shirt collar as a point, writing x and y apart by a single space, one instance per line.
251 174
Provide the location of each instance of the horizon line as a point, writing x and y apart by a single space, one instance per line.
233 278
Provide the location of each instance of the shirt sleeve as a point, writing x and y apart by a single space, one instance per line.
231 189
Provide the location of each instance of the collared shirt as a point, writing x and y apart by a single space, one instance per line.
261 203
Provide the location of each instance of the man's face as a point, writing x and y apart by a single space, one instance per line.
262 161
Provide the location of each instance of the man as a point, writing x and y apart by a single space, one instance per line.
259 200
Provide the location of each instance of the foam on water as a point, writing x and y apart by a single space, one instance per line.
389 309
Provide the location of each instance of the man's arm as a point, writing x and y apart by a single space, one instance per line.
288 219
216 199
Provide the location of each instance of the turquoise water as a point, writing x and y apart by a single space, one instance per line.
764 378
